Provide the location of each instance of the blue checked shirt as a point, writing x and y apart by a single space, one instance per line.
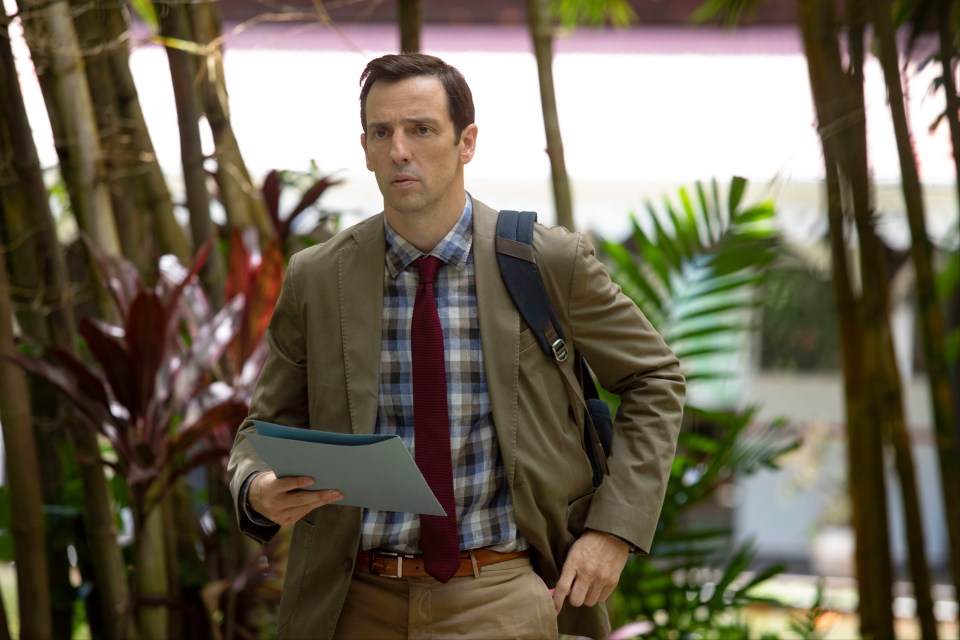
484 507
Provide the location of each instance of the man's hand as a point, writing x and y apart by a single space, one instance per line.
591 571
278 499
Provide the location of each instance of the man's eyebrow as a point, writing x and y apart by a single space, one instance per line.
428 120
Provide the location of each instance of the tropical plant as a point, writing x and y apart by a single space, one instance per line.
169 388
310 185
694 269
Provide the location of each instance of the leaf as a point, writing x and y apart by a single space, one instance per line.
121 278
88 380
730 12
114 359
737 187
271 197
146 337
90 415
309 198
238 275
147 13
262 296
229 413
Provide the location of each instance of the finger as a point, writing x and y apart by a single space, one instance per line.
563 586
579 591
305 501
296 505
606 592
286 484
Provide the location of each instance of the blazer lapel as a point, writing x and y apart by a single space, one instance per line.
360 269
499 334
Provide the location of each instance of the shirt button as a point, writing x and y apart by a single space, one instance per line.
347 565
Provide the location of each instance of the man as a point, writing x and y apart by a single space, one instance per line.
347 354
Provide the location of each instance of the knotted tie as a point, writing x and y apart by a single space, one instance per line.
438 534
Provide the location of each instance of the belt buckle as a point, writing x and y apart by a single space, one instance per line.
390 554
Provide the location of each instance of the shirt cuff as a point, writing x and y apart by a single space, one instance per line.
254 516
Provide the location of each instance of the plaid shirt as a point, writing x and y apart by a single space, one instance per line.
484 506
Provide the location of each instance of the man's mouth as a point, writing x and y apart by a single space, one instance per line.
402 179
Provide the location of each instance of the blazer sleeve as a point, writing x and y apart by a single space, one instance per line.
632 360
280 396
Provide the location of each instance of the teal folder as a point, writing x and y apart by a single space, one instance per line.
372 471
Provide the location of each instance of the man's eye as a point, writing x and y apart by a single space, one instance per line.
380 134
423 130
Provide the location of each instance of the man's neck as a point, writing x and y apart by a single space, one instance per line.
425 230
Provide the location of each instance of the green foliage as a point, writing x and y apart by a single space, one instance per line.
573 13
147 13
948 289
700 261
799 325
694 268
805 625
729 11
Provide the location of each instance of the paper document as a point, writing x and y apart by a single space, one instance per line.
373 471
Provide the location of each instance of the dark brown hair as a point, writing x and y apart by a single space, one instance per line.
396 67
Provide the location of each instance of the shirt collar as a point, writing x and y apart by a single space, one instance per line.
453 250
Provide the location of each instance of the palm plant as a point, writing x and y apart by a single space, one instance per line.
694 270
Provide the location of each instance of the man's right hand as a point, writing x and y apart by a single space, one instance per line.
278 499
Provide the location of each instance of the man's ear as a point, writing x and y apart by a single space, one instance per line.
468 143
363 143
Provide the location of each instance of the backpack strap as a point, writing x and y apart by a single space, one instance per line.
518 268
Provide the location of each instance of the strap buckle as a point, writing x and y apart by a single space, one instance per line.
389 554
559 349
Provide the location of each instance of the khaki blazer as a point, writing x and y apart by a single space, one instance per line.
323 373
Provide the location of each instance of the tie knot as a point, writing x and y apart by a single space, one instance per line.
428 266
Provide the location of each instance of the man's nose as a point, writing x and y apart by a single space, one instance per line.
399 151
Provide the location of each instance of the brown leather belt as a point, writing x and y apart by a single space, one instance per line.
398 565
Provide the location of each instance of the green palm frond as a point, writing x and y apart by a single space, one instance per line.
693 266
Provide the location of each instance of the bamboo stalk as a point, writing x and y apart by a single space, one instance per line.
409 20
57 304
26 496
845 161
541 32
173 25
241 200
50 34
934 336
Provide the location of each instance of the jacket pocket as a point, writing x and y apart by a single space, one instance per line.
527 339
301 549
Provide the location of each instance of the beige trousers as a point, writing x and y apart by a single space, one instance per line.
507 600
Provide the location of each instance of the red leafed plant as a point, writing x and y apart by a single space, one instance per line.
155 387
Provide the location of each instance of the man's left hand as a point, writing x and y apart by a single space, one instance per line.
591 571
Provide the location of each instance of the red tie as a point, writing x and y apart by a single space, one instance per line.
431 435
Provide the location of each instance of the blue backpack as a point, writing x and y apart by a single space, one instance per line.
518 268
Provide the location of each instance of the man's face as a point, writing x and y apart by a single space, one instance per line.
410 147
